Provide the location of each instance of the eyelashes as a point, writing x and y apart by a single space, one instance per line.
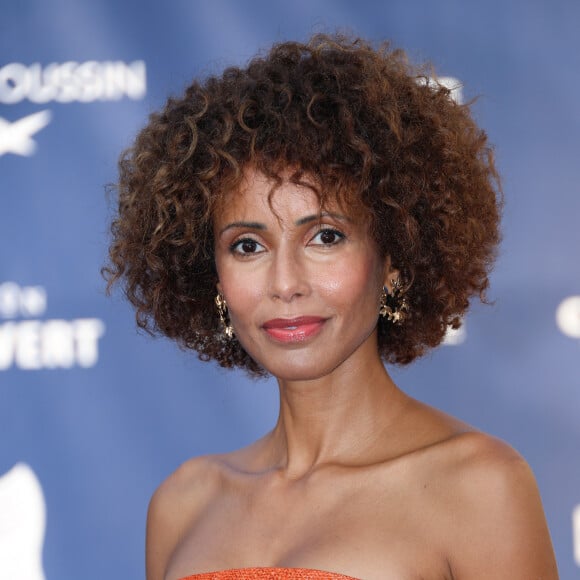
246 247
325 237
328 237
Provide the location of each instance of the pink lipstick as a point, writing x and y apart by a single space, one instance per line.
293 329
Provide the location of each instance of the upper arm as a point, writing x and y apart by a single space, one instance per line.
499 527
161 534
172 511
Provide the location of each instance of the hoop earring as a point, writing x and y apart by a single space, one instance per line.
394 306
222 309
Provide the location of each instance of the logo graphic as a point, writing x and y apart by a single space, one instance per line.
66 82
455 336
23 524
17 138
576 533
71 81
568 316
36 343
454 85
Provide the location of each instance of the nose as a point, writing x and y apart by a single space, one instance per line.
289 278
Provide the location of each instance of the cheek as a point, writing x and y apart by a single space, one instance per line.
242 293
353 282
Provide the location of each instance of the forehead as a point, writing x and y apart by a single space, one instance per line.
290 196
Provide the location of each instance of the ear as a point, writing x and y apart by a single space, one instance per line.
219 287
390 274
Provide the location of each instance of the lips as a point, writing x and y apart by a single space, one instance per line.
294 329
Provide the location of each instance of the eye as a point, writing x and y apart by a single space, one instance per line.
246 246
327 237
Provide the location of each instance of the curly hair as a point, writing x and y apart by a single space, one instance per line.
373 130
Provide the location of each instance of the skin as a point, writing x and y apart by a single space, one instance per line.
356 477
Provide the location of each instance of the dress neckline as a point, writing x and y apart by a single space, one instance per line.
269 573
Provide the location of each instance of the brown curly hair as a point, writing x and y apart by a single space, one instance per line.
374 131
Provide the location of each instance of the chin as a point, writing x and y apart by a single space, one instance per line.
298 370
298 375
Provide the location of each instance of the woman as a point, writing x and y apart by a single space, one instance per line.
319 212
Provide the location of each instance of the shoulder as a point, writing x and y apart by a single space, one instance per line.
174 507
192 477
494 516
191 481
474 454
488 476
481 468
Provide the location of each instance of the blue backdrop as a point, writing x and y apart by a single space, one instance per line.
93 415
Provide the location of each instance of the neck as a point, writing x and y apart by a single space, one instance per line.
336 419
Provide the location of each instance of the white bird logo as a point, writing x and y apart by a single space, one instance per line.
23 524
17 137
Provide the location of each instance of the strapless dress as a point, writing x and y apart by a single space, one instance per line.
269 574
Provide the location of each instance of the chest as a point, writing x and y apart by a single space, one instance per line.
363 527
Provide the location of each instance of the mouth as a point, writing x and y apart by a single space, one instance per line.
294 329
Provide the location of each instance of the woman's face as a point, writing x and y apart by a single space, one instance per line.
302 285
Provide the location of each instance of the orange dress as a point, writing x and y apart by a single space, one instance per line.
269 574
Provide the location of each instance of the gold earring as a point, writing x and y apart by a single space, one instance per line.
394 306
222 309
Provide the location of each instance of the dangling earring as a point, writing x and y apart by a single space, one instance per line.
220 302
394 306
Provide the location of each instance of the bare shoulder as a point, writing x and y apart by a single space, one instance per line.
482 467
174 507
185 487
471 450
495 522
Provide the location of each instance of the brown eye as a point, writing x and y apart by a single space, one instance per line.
327 237
246 246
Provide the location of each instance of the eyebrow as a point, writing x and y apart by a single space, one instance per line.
319 216
299 222
249 225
